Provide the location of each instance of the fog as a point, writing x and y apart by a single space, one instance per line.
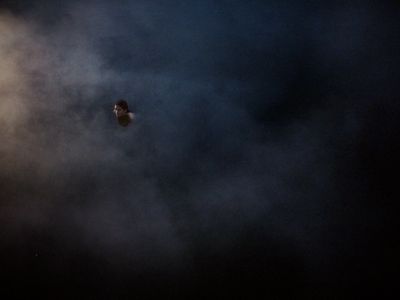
253 123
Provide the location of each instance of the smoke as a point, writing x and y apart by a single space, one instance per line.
62 160
249 120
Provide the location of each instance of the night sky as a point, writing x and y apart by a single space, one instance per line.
261 160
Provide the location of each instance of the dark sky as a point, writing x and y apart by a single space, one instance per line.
259 162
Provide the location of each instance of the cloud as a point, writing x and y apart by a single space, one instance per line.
249 119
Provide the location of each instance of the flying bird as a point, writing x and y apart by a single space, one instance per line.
122 113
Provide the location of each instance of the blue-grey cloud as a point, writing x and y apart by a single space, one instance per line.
249 121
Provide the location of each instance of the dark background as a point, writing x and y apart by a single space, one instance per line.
263 158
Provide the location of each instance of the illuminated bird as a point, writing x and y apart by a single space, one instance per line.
122 112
